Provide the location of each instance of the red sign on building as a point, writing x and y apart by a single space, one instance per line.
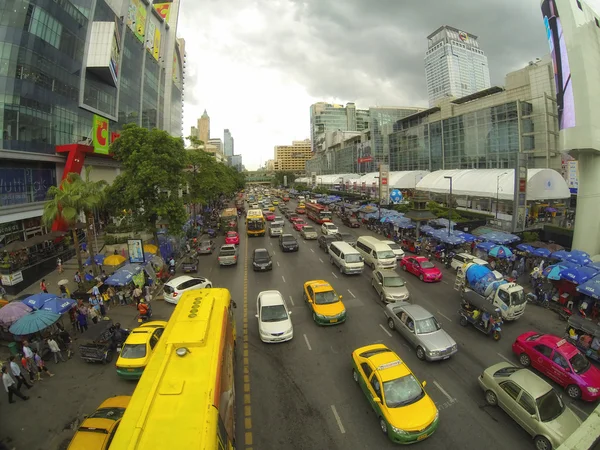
365 160
384 181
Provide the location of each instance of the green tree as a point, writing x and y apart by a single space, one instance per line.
278 178
152 177
68 201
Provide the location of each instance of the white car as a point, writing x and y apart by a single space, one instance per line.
177 286
274 322
329 228
396 249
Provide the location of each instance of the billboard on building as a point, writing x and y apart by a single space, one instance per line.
163 9
384 187
115 53
156 50
574 39
153 37
100 135
136 18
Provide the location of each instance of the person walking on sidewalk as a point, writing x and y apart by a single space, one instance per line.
9 385
27 368
55 349
41 366
59 265
66 338
77 279
82 320
43 286
16 371
28 354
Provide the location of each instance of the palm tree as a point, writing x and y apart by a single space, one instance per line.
67 201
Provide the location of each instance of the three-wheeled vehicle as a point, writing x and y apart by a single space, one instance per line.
98 343
480 313
411 245
586 336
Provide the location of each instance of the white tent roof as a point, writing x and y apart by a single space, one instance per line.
542 184
398 180
302 180
337 178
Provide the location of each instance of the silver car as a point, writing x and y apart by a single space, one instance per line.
421 330
389 285
309 232
531 402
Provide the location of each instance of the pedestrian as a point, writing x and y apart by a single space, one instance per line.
95 291
121 296
101 305
93 314
63 291
16 371
9 385
82 320
137 295
43 286
28 354
55 349
59 265
41 366
66 338
26 368
148 293
112 296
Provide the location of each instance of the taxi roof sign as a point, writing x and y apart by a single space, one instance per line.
390 364
561 342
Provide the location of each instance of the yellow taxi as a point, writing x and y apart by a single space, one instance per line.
97 431
275 202
138 348
405 412
325 304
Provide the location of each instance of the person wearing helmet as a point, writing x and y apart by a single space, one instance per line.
143 308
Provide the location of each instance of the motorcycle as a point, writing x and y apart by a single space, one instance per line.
448 259
172 270
143 318
212 233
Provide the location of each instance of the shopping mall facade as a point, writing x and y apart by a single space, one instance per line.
72 74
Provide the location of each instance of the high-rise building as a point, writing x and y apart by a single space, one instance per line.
455 66
228 143
217 143
204 127
326 117
235 161
194 132
74 72
292 158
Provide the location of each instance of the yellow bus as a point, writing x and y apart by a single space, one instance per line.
186 397
255 223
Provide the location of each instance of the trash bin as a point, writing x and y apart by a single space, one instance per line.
13 348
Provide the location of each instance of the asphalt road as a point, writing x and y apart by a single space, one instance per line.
302 394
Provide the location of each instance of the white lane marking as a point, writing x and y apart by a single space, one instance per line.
320 260
334 274
291 300
350 292
278 264
283 278
445 317
386 331
437 385
312 250
338 420
505 358
574 406
307 343
445 282
271 244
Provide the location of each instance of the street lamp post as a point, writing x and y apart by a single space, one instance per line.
449 205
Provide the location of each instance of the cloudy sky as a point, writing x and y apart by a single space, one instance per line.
257 66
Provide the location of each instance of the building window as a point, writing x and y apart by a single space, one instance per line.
46 27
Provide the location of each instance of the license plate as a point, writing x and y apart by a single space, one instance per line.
130 370
423 436
333 321
446 357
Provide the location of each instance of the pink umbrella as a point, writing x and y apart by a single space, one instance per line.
13 312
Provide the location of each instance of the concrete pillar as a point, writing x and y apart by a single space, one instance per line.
587 219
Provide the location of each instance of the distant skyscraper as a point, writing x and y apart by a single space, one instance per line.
454 64
204 127
228 143
194 132
325 117
217 143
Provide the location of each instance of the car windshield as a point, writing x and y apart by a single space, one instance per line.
289 239
231 235
255 224
517 298
325 214
579 363
386 254
275 313
331 227
309 229
394 246
402 391
108 413
261 256
353 258
427 265
204 244
323 298
276 225
393 282
429 325
550 406
133 351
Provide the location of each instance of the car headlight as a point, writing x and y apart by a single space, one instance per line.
320 316
434 353
593 390
255 264
399 431
270 263
454 347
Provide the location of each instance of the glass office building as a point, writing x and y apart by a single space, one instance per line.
64 63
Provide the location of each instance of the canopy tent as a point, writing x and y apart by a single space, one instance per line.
302 180
499 237
398 180
542 184
124 275
591 288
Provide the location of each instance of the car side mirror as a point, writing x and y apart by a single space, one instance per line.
256 315
340 297
290 312
234 304
424 383
377 400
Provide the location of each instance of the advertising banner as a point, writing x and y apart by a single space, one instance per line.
12 279
156 50
163 9
573 176
135 247
100 135
136 18
20 185
384 188
114 55
150 35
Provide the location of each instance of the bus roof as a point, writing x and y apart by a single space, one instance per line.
255 213
173 401
228 212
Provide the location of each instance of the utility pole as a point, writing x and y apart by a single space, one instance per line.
449 206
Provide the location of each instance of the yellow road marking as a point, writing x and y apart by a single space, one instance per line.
246 365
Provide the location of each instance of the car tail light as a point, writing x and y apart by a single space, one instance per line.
235 258
175 294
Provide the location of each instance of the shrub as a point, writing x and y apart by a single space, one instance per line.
531 236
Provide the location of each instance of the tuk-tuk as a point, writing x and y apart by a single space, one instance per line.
483 315
585 335
98 343
411 245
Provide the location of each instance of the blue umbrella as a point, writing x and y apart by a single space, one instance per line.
578 275
33 322
486 246
466 236
561 254
541 252
580 253
59 305
427 229
99 259
124 275
595 265
501 252
525 248
591 288
499 237
578 258
36 301
554 271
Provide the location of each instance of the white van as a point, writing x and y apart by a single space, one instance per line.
346 257
396 249
376 254
301 199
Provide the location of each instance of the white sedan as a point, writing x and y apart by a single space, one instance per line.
274 322
329 228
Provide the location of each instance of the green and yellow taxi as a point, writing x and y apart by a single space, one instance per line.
138 348
97 430
275 202
405 412
326 305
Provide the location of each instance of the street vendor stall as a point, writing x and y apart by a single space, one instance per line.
585 335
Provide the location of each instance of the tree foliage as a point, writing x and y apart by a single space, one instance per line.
278 178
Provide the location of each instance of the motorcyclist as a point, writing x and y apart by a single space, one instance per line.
144 309
172 263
